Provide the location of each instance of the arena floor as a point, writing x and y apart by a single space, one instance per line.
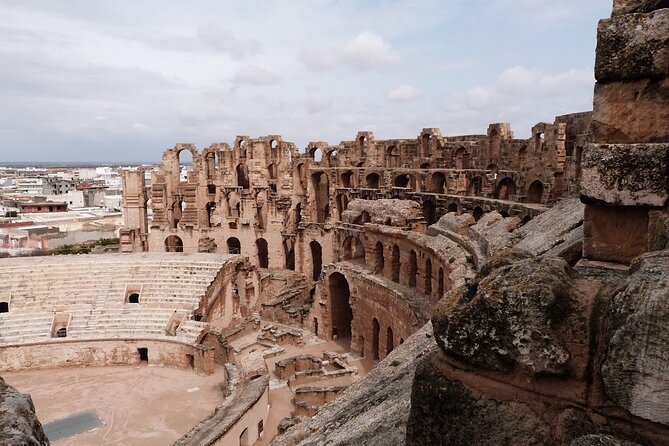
138 405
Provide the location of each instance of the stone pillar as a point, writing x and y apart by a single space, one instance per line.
625 170
133 235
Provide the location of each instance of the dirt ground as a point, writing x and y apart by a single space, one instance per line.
139 405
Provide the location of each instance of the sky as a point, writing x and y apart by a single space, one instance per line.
123 80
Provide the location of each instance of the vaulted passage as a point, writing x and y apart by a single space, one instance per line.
379 261
174 243
413 268
321 187
389 341
505 189
376 329
535 192
234 245
340 296
263 253
396 264
316 259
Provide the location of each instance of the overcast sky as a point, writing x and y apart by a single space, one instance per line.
123 80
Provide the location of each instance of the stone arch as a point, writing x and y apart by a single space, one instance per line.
346 179
234 245
316 154
376 331
453 207
438 183
373 180
263 253
289 253
430 211
342 203
404 180
321 187
340 305
379 259
316 259
210 208
353 248
505 189
173 243
535 192
428 277
396 264
461 159
474 187
413 268
187 163
302 177
242 176
389 341
393 157
272 171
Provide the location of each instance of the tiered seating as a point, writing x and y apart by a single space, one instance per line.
92 289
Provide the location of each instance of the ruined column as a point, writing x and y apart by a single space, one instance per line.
625 170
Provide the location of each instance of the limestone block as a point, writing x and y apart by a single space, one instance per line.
635 372
614 233
621 7
444 411
508 319
18 423
635 111
634 46
626 174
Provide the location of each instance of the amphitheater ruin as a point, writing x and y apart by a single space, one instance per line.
456 290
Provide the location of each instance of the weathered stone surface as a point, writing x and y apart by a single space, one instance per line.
456 223
206 244
601 440
634 46
614 233
635 111
637 6
506 319
550 229
385 211
497 230
626 175
18 423
373 411
445 412
635 371
658 237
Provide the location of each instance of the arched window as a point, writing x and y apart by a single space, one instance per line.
263 254
373 180
174 243
133 298
234 246
535 192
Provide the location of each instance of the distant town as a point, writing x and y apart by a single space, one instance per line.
69 208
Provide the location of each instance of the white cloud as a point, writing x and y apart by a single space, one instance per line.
317 103
254 75
366 51
404 93
218 37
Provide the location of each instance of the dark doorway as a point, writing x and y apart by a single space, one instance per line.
191 361
133 298
342 315
389 341
263 254
143 354
4 307
316 259
396 264
234 246
376 329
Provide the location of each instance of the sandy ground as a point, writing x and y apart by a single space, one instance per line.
139 406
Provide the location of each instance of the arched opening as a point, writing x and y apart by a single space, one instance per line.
316 259
379 260
425 166
393 157
376 330
321 187
342 203
505 189
177 210
340 296
316 154
186 161
402 180
211 206
263 253
504 213
289 254
439 183
316 326
4 307
174 243
425 145
298 213
440 283
430 211
302 176
461 159
274 149
362 218
453 207
538 141
478 213
272 171
143 354
474 187
234 246
428 277
373 180
535 192
353 248
346 179
413 268
242 176
244 438
396 264
390 343
133 298
492 168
